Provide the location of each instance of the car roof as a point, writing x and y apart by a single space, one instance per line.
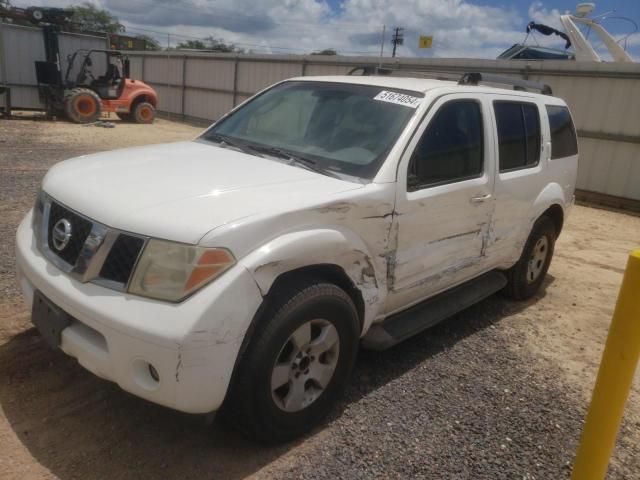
401 83
422 85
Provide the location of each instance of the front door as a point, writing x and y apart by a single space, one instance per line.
444 200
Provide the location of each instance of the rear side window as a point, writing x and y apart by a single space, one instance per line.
450 149
518 134
563 134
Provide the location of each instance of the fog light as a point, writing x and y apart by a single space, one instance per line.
154 373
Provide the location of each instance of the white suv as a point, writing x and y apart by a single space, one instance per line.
242 270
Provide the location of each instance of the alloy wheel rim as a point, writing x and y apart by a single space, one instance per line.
537 259
305 365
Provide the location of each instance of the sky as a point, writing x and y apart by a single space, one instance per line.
460 28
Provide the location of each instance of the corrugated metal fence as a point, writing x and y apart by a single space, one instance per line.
20 47
604 99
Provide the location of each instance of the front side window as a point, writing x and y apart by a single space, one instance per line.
451 148
563 134
339 128
518 134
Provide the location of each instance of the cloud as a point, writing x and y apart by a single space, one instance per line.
460 28
539 14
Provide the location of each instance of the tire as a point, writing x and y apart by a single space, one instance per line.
274 396
143 112
82 105
527 275
125 117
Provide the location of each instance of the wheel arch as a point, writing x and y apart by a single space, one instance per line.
144 97
325 272
556 213
333 254
550 202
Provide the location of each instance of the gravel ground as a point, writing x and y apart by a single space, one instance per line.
498 391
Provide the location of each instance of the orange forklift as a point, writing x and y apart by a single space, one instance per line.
95 81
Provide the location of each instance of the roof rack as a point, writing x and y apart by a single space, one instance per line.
470 78
474 78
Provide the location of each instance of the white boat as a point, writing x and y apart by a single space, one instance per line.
583 49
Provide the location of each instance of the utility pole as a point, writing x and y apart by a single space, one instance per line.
168 64
382 44
397 39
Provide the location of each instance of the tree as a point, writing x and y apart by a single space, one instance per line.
210 44
326 51
192 45
218 45
150 43
96 19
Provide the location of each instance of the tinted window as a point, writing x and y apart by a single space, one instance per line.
563 134
518 134
450 148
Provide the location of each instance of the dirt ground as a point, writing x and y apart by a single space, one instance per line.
498 391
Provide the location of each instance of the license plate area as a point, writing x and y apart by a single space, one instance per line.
49 319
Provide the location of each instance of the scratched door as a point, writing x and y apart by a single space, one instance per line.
444 201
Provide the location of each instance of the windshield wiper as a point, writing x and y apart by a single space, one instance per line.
294 158
226 141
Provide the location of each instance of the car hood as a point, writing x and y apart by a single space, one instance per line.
181 191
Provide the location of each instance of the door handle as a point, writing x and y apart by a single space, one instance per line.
481 198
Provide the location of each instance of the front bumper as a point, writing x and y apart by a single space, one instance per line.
192 345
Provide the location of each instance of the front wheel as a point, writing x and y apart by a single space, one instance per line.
526 276
297 364
143 112
82 105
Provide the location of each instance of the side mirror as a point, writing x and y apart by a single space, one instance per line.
126 68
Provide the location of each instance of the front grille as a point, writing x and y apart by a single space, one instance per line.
80 228
122 258
94 253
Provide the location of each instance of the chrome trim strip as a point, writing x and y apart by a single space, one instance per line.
99 242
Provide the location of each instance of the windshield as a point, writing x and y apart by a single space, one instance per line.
339 128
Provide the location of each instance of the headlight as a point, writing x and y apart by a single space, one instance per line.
172 271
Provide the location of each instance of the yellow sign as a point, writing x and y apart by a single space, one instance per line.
425 41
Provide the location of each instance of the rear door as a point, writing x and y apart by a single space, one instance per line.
521 175
444 200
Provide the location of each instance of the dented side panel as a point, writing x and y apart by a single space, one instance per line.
350 230
443 231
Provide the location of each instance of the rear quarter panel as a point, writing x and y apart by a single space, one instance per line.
522 196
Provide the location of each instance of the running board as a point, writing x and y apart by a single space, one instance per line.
399 327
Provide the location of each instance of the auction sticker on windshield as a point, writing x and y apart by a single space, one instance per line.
398 98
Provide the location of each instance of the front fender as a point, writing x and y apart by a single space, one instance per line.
326 246
148 94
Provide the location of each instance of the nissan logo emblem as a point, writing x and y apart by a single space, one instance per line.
61 234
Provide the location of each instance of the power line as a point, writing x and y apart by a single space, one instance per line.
242 44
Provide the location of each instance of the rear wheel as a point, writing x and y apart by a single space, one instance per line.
143 112
297 364
526 276
82 105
